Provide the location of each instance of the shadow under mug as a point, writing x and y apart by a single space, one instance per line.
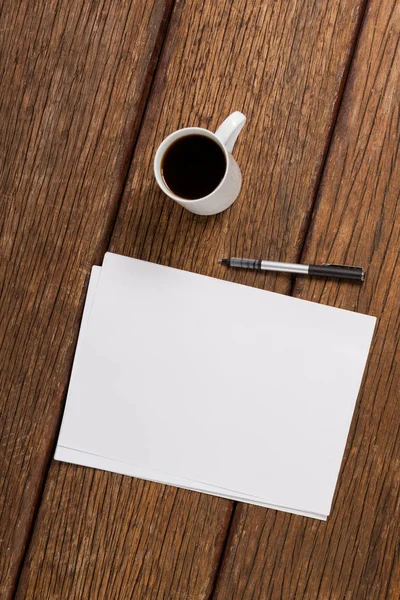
228 189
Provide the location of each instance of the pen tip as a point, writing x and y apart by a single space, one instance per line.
223 261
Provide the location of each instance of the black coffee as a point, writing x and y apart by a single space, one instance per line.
193 166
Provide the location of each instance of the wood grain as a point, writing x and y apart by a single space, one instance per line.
283 65
74 78
354 555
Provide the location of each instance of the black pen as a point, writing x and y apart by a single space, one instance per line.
338 271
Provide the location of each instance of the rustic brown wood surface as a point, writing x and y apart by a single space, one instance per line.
356 221
74 77
76 81
100 535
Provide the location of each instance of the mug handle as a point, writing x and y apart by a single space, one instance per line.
229 130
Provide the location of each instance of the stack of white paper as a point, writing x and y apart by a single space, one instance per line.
213 386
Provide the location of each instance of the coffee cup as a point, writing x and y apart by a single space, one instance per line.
195 166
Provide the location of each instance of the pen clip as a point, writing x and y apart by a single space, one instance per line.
355 268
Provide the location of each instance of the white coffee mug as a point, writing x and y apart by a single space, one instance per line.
228 189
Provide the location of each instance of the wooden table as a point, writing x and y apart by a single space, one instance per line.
88 90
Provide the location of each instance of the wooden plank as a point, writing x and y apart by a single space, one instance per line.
100 535
74 79
356 221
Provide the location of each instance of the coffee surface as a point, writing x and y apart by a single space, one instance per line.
193 166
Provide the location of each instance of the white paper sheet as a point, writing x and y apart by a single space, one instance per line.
217 383
101 462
